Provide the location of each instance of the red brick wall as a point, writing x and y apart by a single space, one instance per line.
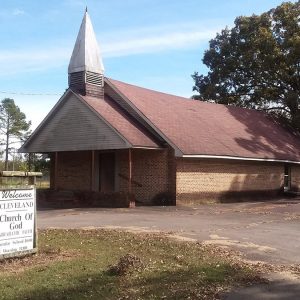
73 170
219 180
149 169
195 180
295 178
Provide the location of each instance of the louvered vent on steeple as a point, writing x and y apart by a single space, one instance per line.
94 78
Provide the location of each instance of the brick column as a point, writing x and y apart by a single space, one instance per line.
172 174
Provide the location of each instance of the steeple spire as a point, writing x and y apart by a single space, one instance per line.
86 68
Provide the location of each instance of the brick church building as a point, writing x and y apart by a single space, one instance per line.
107 139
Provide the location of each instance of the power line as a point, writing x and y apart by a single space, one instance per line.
30 94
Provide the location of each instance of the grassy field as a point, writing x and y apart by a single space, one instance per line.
13 182
99 264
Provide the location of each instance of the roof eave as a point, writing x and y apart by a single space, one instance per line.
54 108
227 157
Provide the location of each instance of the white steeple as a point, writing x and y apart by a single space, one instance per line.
86 71
86 54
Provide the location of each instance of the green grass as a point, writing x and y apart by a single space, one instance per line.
13 182
42 184
74 264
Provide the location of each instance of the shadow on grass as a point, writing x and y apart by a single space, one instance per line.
96 286
195 283
149 284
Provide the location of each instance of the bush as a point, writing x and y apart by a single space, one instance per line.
163 199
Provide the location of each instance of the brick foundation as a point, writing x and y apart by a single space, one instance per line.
223 181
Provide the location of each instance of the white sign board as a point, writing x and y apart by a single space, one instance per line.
17 221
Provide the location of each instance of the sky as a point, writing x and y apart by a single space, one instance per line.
156 44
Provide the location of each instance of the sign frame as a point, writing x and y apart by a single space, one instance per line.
34 249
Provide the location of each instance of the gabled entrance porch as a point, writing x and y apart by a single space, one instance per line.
113 178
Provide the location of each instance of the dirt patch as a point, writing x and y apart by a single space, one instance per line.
267 272
181 238
40 259
285 275
224 241
132 229
290 217
262 209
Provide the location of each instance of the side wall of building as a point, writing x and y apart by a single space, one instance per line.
295 178
150 175
158 178
222 180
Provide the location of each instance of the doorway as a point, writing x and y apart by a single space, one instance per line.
287 177
107 164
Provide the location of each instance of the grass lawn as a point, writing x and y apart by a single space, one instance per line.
95 264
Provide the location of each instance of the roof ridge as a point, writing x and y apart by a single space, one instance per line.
189 99
145 88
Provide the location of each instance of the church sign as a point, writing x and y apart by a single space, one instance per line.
17 221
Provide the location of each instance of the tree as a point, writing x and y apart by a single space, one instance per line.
256 64
13 125
37 162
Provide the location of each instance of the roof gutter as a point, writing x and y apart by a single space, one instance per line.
239 158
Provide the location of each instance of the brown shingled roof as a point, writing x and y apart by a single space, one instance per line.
121 121
199 128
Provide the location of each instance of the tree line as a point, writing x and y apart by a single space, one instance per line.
256 64
15 129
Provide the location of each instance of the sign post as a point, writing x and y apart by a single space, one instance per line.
17 222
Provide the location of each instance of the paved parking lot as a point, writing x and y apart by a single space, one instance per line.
264 231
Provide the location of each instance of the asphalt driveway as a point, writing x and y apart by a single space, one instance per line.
262 231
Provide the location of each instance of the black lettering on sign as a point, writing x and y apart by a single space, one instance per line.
15 195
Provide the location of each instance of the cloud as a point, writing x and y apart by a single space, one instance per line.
32 60
113 44
154 44
18 12
10 14
157 38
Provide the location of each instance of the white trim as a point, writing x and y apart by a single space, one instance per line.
147 148
240 158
